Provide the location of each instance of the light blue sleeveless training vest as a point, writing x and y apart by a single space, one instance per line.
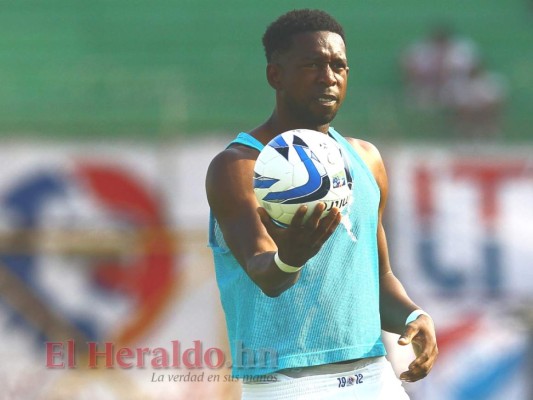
331 314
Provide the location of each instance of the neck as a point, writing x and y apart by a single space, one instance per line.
274 126
277 124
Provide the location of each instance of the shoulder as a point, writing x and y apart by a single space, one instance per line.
371 156
368 152
230 172
235 156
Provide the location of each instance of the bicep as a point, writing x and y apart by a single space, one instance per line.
383 252
383 248
229 187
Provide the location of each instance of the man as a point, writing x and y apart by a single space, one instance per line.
309 292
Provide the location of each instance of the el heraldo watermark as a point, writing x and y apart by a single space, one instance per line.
66 355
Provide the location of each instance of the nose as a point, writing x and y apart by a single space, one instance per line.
327 75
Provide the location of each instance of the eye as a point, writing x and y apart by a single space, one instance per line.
339 65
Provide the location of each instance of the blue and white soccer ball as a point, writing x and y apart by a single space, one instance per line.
301 167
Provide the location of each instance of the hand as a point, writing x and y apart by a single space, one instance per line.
421 334
300 241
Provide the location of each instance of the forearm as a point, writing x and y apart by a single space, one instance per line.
395 304
266 274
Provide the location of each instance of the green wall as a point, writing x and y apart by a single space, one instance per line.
163 68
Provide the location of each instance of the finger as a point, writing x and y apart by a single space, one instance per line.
327 226
314 219
298 219
418 369
412 376
423 363
333 217
408 335
413 373
331 221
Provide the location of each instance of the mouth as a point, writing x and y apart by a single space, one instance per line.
327 99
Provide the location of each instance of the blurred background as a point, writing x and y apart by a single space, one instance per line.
110 112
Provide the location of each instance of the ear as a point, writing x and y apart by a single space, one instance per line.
273 74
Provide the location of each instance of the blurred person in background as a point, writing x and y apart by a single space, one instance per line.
431 64
476 103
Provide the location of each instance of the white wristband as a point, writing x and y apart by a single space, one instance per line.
285 267
414 315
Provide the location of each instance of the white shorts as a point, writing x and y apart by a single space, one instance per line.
368 379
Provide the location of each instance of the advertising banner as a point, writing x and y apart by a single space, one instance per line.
461 242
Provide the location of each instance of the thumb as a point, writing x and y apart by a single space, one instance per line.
408 335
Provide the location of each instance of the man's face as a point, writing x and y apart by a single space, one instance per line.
313 78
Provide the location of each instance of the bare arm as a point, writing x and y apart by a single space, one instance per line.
395 304
249 232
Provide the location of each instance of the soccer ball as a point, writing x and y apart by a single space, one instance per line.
298 167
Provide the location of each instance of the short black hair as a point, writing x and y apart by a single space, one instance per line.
278 35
